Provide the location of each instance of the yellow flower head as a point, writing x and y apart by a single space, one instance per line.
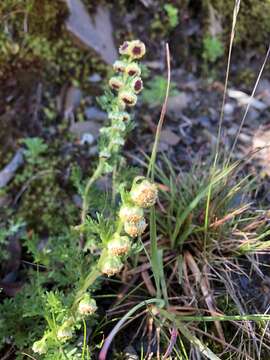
136 49
144 194
119 245
133 70
124 48
137 85
131 214
116 83
111 265
135 229
64 333
87 306
40 347
127 98
119 66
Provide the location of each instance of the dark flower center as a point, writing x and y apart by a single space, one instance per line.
136 50
138 85
131 72
128 101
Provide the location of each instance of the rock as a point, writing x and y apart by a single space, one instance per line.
261 140
204 121
93 113
95 78
87 138
263 91
244 99
178 103
85 127
96 32
228 109
72 100
169 137
9 170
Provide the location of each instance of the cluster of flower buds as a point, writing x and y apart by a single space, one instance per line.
143 194
127 84
131 215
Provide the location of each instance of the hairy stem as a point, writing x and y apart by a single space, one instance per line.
90 182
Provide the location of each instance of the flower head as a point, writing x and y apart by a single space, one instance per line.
118 245
127 98
40 346
131 214
133 69
135 229
119 66
64 333
136 49
124 48
116 83
111 265
126 116
87 306
137 85
144 194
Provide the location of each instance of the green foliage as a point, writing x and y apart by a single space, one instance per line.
5 231
212 49
35 147
172 13
155 90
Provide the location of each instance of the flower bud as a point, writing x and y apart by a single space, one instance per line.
131 214
126 116
116 83
118 126
135 229
87 306
118 140
40 346
64 333
119 66
144 194
111 265
137 85
133 70
119 245
128 98
136 49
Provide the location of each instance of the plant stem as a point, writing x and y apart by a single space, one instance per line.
89 280
90 182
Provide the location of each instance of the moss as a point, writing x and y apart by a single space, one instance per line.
45 205
253 26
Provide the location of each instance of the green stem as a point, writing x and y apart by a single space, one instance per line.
89 280
90 182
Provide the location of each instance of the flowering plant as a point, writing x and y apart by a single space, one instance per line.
130 222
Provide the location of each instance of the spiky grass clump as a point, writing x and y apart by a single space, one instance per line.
203 266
